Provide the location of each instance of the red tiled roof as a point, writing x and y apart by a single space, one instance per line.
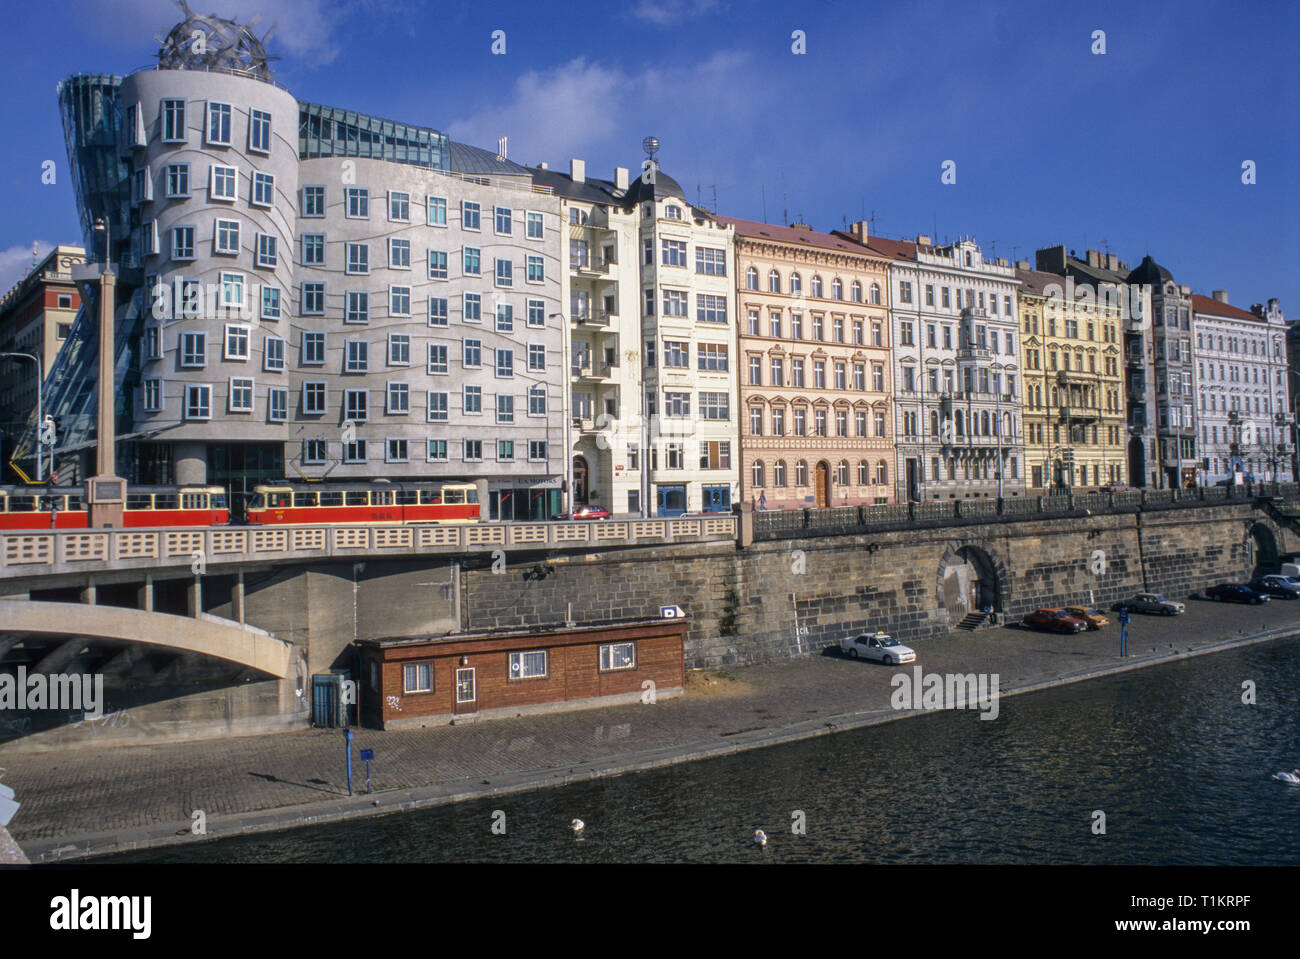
1208 304
796 236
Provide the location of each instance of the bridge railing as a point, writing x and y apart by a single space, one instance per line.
34 553
783 524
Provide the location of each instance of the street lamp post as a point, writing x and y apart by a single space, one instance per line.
40 417
106 491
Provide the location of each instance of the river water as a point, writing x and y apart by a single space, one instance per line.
1177 763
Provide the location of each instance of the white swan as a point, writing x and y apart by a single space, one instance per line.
760 837
577 825
1291 777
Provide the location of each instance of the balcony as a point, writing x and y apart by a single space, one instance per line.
1076 378
1078 414
974 353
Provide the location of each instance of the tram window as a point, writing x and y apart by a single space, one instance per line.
408 497
453 496
471 496
192 500
166 501
381 497
22 504
430 497
357 498
139 501
217 501
75 503
278 500
304 499
331 498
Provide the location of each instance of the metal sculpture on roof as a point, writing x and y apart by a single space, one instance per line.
210 42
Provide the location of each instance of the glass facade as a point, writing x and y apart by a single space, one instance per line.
329 132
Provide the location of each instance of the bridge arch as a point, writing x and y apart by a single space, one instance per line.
971 578
1261 548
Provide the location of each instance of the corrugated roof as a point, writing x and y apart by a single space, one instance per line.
474 161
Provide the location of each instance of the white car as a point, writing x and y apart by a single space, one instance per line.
879 647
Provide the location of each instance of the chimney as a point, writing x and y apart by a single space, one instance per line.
922 240
861 230
543 166
1112 262
578 171
1094 258
1220 295
1022 264
800 225
620 177
1050 260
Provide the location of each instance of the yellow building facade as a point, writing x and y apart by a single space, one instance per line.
1073 387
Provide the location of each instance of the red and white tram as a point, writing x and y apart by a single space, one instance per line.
63 508
329 504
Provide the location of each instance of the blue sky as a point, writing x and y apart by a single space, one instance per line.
1140 149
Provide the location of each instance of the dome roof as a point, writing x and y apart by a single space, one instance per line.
1151 273
664 185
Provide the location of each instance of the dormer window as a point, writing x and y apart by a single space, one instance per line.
673 212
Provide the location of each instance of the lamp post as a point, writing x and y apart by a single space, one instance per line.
40 417
997 423
105 491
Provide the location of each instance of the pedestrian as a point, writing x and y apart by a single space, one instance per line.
762 500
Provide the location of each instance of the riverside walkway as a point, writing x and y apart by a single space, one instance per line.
87 803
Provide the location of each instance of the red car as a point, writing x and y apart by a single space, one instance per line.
585 512
1055 621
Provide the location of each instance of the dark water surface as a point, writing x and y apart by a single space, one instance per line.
1171 755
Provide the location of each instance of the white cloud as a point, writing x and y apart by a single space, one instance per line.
667 13
16 263
306 30
583 107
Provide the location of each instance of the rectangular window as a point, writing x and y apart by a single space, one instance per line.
437 264
399 399
356 356
710 309
534 230
263 190
241 394
536 270
617 656
473 399
437 210
505 363
396 450
473 354
357 451
219 124
173 121
358 258
399 301
222 183
232 289
505 270
356 405
469 215
313 348
399 206
473 450
531 665
711 357
473 261
710 262
259 131
273 353
536 357
182 243
506 448
313 201
357 309
399 254
673 252
437 358
436 451
178 180
151 398
505 318
313 249
437 411
313 299
358 203
399 349
225 239
198 402
503 221
536 312
505 410
266 251
675 303
537 450
438 311
715 406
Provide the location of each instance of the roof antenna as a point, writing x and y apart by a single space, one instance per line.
785 201
714 188
764 186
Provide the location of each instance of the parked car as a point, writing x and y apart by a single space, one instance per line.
1283 587
585 512
1154 603
1290 570
1055 621
879 647
1235 593
1092 618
